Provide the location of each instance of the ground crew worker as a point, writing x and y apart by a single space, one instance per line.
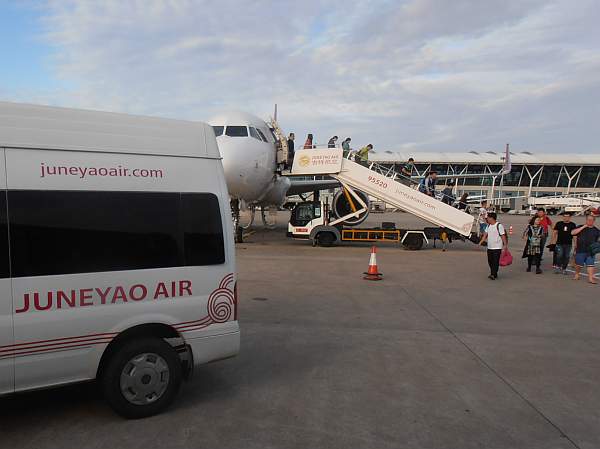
363 155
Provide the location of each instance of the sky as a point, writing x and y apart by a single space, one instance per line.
405 75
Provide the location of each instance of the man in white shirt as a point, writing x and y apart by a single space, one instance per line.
495 234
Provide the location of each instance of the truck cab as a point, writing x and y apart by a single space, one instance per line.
305 217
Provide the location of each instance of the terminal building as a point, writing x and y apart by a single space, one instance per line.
533 174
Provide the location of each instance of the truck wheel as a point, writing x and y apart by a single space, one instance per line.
142 378
413 242
325 238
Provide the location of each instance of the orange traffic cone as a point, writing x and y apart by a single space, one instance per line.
510 230
373 274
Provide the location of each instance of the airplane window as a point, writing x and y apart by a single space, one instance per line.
236 131
262 136
253 133
218 130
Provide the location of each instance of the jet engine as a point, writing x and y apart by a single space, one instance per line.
341 206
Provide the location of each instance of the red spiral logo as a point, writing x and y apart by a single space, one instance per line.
220 305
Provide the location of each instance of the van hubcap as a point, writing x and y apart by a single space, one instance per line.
144 378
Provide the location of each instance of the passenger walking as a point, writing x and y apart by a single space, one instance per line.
584 256
332 142
546 224
291 151
308 145
363 155
533 234
346 147
481 218
427 184
495 235
563 241
448 195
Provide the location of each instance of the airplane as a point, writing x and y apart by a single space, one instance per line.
254 153
253 170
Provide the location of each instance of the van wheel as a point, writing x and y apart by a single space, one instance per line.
325 238
142 378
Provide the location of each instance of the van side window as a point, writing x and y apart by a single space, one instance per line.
4 258
202 229
64 232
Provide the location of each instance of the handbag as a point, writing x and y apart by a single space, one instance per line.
506 258
595 248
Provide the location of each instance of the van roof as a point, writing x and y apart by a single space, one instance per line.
46 127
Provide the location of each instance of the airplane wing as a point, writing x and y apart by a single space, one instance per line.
308 185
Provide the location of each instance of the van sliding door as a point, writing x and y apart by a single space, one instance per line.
7 374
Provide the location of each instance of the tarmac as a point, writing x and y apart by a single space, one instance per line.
435 355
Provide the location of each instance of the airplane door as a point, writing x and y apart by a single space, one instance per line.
7 371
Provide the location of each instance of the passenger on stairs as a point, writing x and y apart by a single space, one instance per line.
346 147
462 202
291 151
448 195
406 171
308 145
427 185
363 155
332 142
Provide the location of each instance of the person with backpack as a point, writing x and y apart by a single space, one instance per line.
587 247
495 235
533 234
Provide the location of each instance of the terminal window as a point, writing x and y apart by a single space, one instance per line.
63 232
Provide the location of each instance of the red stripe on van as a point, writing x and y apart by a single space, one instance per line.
57 339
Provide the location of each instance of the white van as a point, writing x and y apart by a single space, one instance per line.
116 254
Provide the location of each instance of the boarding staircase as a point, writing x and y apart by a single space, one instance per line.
382 183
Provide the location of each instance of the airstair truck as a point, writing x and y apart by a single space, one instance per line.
311 221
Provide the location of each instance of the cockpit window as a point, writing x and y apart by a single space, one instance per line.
262 136
236 131
273 134
253 133
218 130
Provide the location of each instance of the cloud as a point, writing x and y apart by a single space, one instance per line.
417 74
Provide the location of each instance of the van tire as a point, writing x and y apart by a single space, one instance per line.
151 353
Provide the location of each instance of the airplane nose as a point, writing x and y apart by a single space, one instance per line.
244 175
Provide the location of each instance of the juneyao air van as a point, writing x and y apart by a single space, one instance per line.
116 254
